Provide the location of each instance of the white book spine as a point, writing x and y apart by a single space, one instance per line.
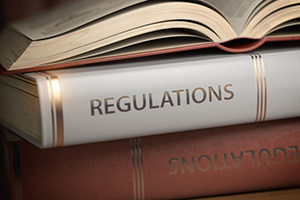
98 104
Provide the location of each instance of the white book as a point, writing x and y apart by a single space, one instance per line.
148 97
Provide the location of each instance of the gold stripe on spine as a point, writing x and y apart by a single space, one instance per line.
141 168
137 168
59 114
257 85
261 88
52 112
265 87
56 108
133 167
263 95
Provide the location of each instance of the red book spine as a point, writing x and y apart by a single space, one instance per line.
207 162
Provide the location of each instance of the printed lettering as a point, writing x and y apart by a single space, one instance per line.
135 104
176 169
225 162
202 91
151 102
166 99
108 105
127 105
190 167
177 92
278 155
273 156
294 155
95 105
252 157
209 163
226 89
268 156
212 91
237 158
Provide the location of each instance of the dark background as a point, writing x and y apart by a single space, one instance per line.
12 10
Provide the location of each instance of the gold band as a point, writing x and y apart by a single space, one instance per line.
56 109
137 168
261 87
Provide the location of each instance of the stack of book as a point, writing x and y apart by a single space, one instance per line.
200 98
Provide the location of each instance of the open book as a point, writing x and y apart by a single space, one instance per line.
89 31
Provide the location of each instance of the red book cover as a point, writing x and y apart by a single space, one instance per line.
216 161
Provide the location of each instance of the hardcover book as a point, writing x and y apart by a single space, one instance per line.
123 100
92 31
226 160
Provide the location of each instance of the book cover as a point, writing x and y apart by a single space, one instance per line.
217 161
125 100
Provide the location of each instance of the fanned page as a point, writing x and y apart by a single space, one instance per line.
69 16
74 14
92 29
236 11
155 16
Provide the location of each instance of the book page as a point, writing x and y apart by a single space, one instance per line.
236 11
69 16
12 46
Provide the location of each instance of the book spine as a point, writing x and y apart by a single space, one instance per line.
233 159
184 95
